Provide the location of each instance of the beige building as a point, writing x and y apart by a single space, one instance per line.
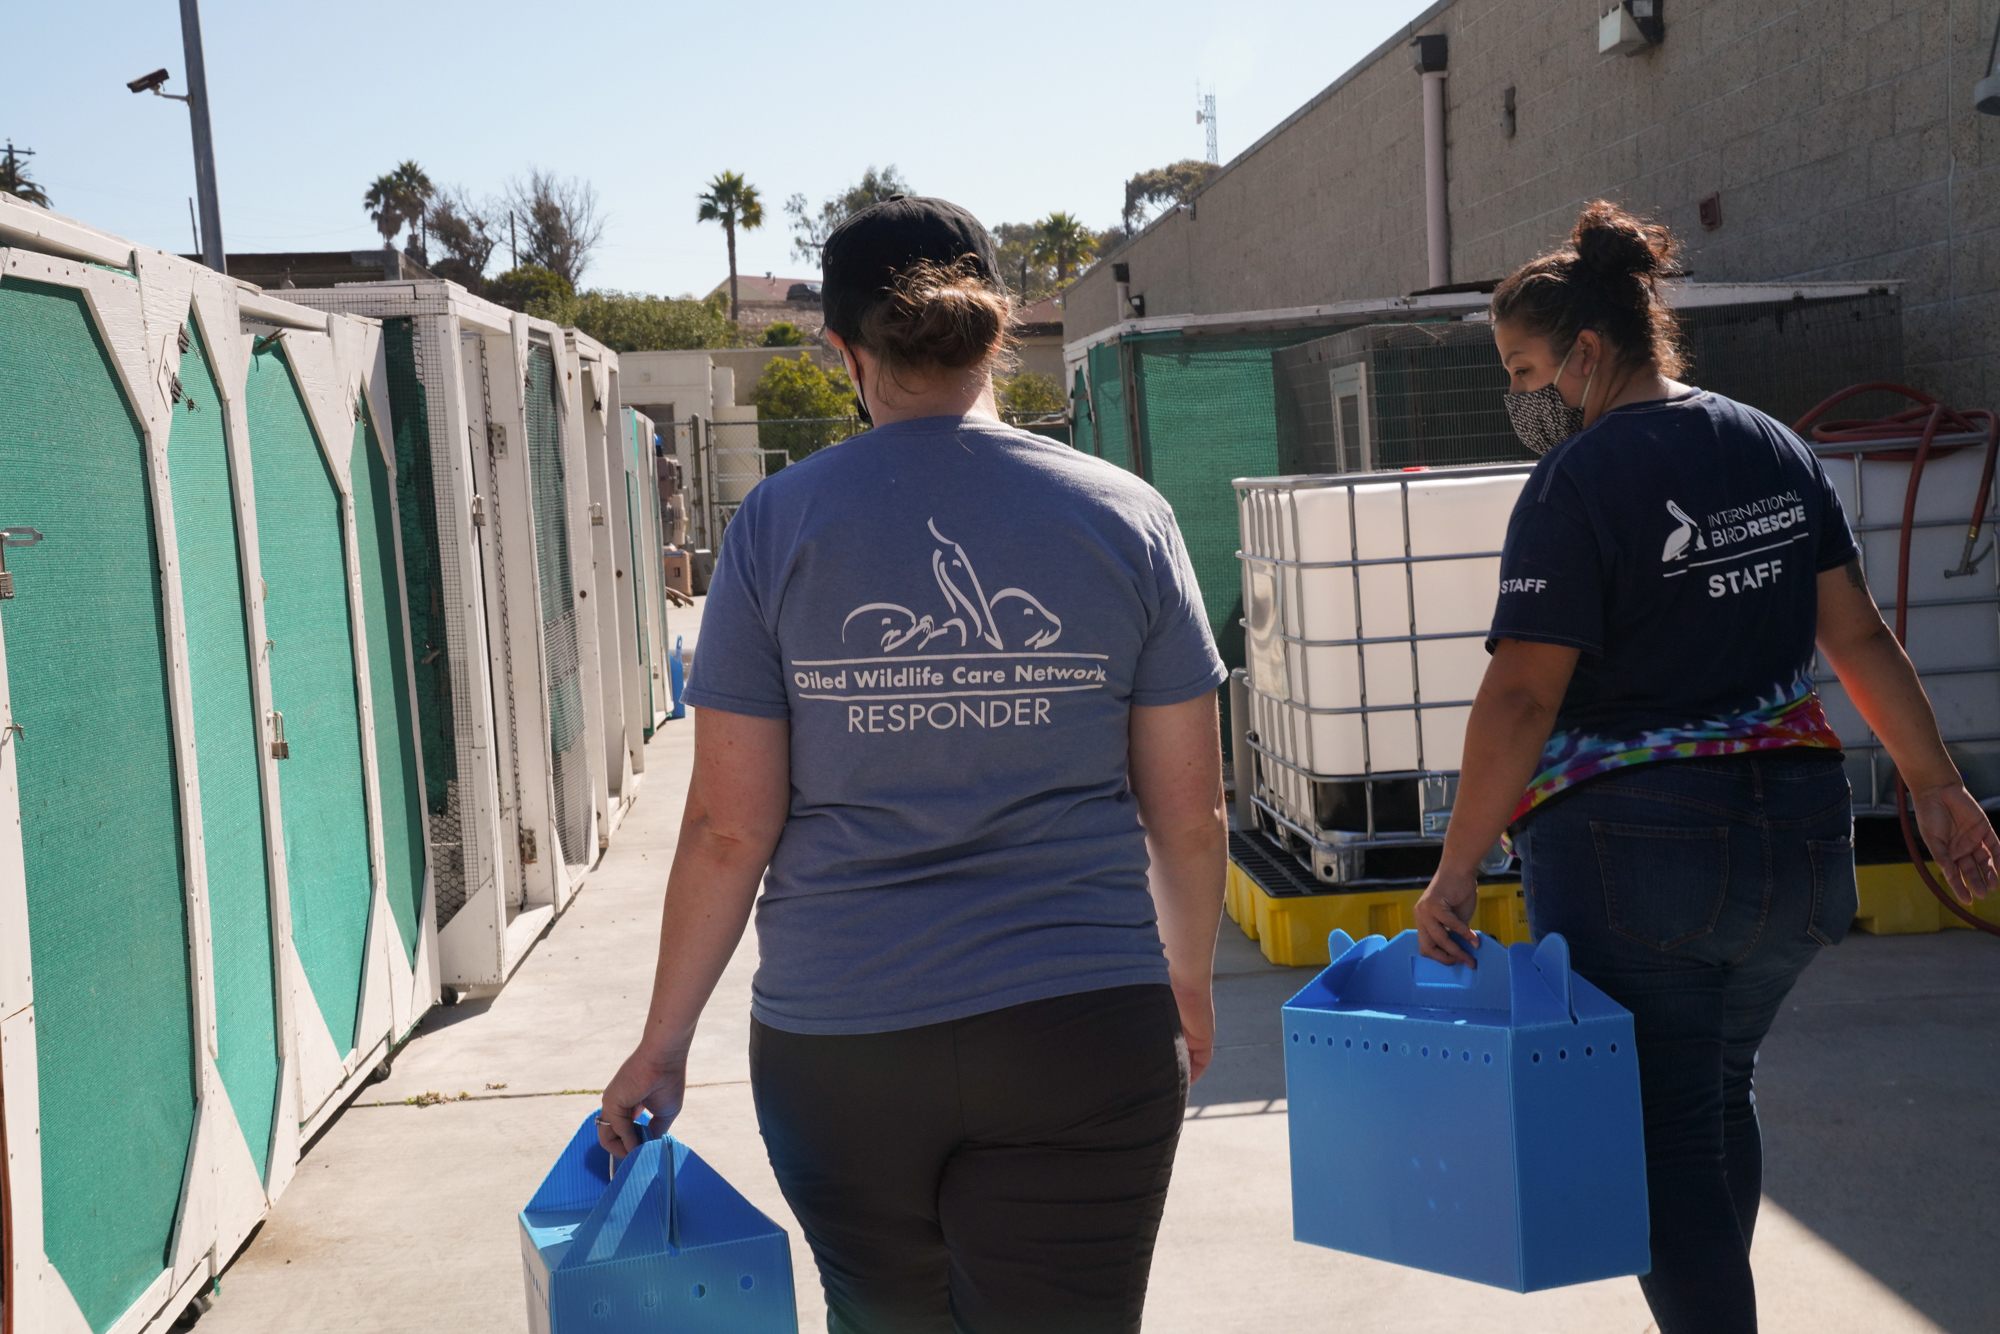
1823 140
763 302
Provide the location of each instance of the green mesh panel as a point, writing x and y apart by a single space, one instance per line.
1108 394
1084 432
558 603
410 409
226 738
100 822
312 683
639 596
389 685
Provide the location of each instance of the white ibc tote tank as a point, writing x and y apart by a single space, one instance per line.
1367 599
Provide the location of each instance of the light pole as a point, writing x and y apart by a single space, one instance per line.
204 142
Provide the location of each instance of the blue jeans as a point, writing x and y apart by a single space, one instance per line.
1694 893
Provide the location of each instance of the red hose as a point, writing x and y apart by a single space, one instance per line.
1898 426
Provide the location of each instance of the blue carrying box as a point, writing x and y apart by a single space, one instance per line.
660 1243
1482 1123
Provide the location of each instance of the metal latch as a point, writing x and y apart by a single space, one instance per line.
528 847
479 511
281 749
13 537
596 514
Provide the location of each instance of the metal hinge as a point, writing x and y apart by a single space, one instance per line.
281 749
479 511
496 437
528 847
13 537
596 514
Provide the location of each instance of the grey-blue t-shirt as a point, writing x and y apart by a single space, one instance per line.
956 617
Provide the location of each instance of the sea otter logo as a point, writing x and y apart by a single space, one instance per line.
1012 619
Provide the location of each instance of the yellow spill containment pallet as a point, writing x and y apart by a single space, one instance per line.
1291 928
1894 902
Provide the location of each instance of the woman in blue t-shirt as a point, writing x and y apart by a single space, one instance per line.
955 708
1648 729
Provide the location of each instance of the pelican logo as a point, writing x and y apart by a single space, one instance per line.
1011 619
1678 540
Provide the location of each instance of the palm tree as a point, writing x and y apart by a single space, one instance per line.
733 202
1062 240
398 197
14 178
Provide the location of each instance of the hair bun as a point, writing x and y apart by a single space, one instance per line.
1612 243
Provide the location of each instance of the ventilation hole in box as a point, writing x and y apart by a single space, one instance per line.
1468 1056
1295 1037
1538 1058
701 1289
1589 1051
1614 1049
1350 1042
1427 1051
746 1283
1489 1058
1313 1040
1563 1055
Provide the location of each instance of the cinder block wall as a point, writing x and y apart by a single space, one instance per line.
1840 135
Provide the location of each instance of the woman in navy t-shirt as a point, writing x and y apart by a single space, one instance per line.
1649 731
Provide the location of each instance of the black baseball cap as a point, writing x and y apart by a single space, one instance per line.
864 254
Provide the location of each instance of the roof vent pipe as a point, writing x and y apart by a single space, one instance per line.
1428 55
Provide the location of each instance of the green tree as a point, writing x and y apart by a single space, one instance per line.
1174 183
14 179
1030 278
398 197
560 226
733 202
533 290
784 334
793 388
1065 243
1030 394
467 233
631 322
810 230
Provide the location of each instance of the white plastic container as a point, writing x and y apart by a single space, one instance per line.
1954 622
1367 600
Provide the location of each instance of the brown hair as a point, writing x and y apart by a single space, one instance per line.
940 317
1606 279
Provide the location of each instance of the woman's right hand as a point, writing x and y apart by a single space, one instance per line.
1961 840
650 1080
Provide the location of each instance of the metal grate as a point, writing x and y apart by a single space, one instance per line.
430 574
567 762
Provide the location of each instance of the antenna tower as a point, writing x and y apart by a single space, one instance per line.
1204 114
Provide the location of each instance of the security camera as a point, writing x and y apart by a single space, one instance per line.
148 83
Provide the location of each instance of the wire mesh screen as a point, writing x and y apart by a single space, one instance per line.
396 752
559 636
302 541
99 810
228 739
410 352
1784 357
1393 396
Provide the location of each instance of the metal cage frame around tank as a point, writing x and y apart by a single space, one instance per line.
1854 455
1279 532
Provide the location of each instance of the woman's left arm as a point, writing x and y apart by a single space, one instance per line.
1512 716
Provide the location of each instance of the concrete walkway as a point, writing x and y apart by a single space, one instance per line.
1878 1091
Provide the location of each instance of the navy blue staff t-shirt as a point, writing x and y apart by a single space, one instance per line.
1678 545
956 617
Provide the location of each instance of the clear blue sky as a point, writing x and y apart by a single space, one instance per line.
1012 110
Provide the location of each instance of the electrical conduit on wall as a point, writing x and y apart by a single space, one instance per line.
1428 56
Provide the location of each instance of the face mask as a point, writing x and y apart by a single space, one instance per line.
1540 417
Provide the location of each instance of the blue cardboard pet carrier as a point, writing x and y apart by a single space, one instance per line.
1478 1122
658 1242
